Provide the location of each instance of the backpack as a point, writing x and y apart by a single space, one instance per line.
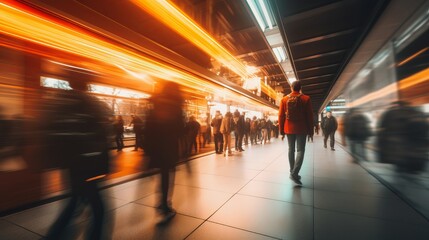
294 107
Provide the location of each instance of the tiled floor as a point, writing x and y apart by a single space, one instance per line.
248 196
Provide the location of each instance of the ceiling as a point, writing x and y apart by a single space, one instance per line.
321 35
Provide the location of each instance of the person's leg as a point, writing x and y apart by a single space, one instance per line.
291 138
221 141
66 215
165 184
300 149
97 206
229 138
325 139
332 139
225 143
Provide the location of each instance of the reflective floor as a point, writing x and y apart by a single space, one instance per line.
248 196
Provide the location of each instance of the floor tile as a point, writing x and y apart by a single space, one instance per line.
135 221
281 192
283 178
268 217
330 225
213 231
9 231
354 187
392 209
191 201
211 182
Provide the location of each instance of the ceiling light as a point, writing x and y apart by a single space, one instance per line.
257 14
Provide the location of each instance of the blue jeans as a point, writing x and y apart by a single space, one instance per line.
295 163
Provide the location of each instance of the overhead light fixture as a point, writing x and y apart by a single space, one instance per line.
280 54
262 14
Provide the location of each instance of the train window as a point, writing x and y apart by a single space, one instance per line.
54 83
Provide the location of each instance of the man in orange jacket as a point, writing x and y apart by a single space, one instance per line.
296 121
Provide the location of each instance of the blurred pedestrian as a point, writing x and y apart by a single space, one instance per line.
296 121
78 137
330 125
137 128
226 128
165 127
192 131
118 127
218 137
403 137
357 131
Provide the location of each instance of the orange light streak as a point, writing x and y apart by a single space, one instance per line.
412 56
27 25
178 21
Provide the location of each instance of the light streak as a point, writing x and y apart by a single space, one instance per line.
31 26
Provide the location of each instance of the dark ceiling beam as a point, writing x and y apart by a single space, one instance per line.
318 68
316 77
323 37
314 11
320 55
239 31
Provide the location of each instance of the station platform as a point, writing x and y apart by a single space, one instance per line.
247 196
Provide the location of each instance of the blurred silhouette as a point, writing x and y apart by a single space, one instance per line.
296 121
163 130
192 130
118 127
218 137
403 137
137 128
357 131
78 141
254 130
330 125
226 128
239 131
246 135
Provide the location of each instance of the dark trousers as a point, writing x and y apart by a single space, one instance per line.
218 140
295 162
119 141
192 144
81 191
139 142
167 182
331 136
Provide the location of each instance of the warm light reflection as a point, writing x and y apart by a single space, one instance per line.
178 21
31 27
405 83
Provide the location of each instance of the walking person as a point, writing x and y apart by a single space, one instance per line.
192 131
137 128
218 137
118 127
296 121
78 136
330 125
165 127
226 129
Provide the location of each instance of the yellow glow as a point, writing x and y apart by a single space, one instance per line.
26 25
173 17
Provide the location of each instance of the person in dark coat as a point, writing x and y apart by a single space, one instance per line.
78 133
192 131
118 127
218 137
165 127
137 128
330 125
357 131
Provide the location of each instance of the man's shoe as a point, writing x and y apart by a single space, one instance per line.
296 176
332 149
324 146
295 179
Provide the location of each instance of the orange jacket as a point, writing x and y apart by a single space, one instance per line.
304 126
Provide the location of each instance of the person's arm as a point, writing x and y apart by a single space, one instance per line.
282 118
